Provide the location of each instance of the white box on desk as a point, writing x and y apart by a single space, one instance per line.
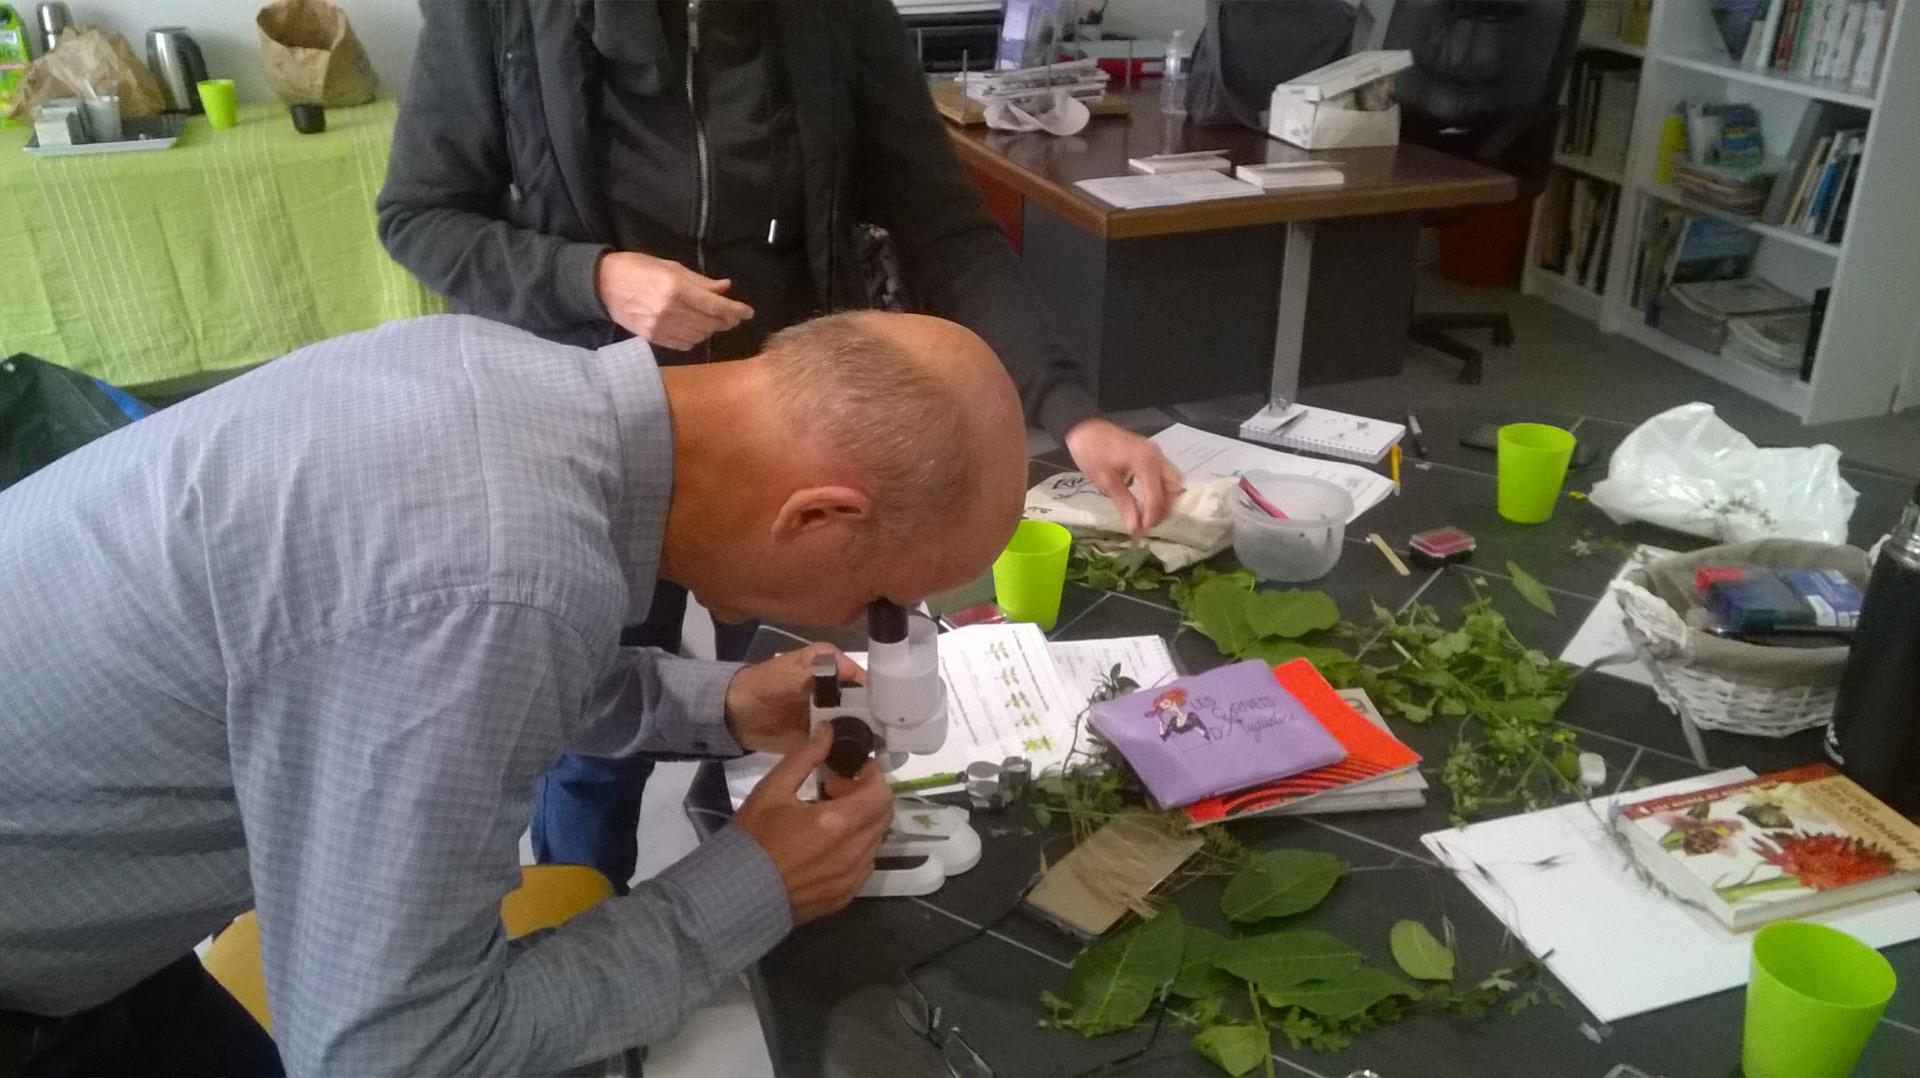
1317 125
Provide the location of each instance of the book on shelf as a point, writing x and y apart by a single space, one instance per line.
1833 41
1812 141
1774 341
1377 771
1737 189
1736 21
1697 248
1601 89
1723 316
1576 228
1782 845
1816 318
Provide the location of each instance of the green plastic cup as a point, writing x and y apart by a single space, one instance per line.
216 96
1028 575
1813 1000
1532 464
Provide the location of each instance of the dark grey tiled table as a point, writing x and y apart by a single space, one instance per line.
826 997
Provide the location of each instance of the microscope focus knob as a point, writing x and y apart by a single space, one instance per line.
853 744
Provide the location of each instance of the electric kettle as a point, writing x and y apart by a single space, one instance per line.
177 63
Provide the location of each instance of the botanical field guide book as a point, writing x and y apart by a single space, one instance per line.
1781 845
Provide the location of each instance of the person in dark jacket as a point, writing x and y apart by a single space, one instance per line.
697 174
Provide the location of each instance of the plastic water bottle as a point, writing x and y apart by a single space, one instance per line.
1875 735
1173 77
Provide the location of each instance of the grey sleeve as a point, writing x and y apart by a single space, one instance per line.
956 261
384 778
450 177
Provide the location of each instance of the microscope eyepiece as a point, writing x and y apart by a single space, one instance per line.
886 622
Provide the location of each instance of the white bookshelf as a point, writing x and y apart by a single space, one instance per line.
1868 362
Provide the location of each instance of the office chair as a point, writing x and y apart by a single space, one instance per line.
1485 85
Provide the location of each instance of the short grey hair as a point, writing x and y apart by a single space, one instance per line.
866 397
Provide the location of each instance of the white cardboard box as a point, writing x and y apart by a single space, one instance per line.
1347 74
1317 125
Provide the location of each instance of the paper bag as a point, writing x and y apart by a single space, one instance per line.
89 57
311 54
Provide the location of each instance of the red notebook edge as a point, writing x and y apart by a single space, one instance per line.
1371 753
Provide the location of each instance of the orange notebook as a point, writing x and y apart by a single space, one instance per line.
1371 753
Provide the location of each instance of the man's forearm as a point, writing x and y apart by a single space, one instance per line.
654 704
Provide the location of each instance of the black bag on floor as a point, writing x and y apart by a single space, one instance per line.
48 411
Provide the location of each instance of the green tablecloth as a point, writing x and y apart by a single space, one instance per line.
231 248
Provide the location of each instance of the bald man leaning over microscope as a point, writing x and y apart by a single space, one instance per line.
303 643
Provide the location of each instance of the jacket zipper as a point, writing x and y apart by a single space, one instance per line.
704 197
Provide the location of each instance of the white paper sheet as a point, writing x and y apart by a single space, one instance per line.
1084 664
1166 189
1005 697
1204 456
1602 635
1619 947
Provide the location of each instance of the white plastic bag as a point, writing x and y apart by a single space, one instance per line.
1686 469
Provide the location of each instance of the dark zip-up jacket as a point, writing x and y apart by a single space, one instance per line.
493 195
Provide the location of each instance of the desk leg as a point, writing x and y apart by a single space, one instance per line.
1290 327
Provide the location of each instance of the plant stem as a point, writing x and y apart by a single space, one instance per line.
1740 892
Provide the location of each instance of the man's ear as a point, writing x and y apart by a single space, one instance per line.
811 509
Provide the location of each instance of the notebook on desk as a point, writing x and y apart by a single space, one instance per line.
1323 431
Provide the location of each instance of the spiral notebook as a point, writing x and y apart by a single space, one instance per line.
1323 431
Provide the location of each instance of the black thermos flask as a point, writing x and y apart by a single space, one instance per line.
1876 721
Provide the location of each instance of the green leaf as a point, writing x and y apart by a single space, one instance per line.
1053 1003
1280 959
1198 977
1204 1012
1273 651
1531 590
1419 954
1115 982
1291 613
1347 996
1234 1047
1219 609
1280 883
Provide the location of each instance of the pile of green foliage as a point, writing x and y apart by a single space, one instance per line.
1310 987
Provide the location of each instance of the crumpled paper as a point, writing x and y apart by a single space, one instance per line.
1060 114
1199 526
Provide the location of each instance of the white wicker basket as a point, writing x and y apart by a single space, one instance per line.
1714 683
1709 699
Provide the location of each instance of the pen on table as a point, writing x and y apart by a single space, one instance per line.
1393 466
1414 431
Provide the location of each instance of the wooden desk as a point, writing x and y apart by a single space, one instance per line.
1138 286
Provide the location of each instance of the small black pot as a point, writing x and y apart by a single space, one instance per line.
309 119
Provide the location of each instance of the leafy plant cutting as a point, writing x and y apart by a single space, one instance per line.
1502 695
1309 986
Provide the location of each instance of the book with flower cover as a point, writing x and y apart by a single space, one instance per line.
1780 845
1372 753
1223 730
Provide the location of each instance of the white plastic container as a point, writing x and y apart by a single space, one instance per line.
1306 544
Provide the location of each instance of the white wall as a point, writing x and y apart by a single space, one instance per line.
387 29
